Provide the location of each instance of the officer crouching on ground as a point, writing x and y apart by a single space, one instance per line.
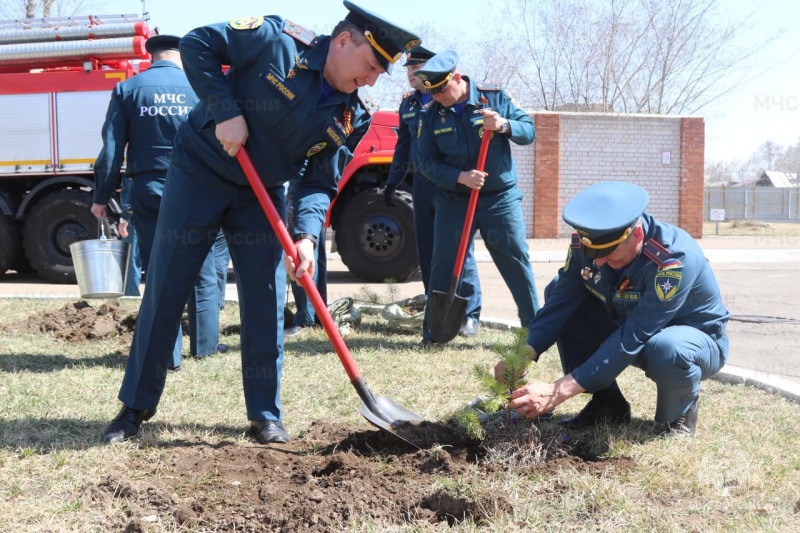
634 291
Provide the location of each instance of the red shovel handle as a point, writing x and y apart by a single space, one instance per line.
473 202
306 282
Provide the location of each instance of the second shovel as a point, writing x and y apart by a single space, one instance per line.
447 310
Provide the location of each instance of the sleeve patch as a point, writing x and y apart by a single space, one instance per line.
667 283
299 33
576 242
250 23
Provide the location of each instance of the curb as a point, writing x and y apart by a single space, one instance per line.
734 375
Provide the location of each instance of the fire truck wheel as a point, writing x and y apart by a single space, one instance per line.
56 221
376 242
10 243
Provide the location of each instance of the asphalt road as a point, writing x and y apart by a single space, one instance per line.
759 279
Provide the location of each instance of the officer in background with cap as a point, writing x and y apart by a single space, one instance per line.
424 191
450 134
634 292
143 118
293 97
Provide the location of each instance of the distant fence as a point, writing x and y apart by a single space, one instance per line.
758 203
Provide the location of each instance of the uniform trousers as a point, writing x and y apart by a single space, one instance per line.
677 358
203 304
498 216
423 193
195 205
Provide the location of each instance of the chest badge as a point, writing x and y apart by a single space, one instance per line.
597 278
586 273
300 62
317 148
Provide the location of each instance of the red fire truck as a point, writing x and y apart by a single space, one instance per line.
55 78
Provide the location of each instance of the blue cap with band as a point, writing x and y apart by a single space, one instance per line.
438 71
388 41
417 55
604 214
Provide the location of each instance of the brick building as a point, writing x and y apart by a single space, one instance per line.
662 153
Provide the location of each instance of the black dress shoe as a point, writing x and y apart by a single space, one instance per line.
267 431
685 426
292 331
126 424
597 410
469 328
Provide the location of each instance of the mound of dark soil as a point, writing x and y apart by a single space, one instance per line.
324 479
79 321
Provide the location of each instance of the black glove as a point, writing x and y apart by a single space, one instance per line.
388 195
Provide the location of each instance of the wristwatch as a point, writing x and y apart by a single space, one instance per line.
312 238
505 127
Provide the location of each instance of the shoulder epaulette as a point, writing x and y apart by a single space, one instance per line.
488 86
656 252
407 95
369 104
299 33
576 241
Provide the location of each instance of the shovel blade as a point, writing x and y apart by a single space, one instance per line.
391 416
446 315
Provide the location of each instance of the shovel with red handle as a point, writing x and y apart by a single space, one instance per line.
379 411
447 310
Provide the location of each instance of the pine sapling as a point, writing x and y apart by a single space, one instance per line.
516 358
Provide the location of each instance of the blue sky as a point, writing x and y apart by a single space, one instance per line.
764 108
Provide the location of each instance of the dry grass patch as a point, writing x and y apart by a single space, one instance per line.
193 468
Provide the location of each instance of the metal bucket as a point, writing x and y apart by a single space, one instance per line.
101 266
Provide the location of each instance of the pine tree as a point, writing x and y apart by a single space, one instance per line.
516 358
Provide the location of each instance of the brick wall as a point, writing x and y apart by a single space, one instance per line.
663 154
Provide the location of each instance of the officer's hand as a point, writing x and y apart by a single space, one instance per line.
388 195
474 179
232 134
122 227
491 119
99 210
534 399
305 251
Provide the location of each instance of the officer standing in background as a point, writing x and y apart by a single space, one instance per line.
450 135
293 97
141 122
634 292
404 163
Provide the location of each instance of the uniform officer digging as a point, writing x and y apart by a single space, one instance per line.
404 164
450 133
292 97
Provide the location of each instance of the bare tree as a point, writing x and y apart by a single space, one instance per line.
13 9
634 56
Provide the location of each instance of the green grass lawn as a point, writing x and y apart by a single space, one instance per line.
741 472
